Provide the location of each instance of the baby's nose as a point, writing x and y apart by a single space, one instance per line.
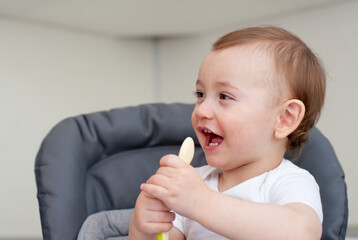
203 110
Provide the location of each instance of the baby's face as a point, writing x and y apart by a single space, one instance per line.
235 117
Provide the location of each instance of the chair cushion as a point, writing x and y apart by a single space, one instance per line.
106 225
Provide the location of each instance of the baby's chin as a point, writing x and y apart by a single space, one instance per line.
215 162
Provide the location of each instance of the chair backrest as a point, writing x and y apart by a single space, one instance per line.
96 162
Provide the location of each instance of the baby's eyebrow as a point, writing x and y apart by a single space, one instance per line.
226 84
220 84
199 82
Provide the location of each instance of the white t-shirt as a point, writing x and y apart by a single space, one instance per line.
286 183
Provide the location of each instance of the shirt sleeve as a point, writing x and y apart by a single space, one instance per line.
297 185
179 222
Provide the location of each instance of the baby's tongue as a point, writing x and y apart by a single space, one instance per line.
217 139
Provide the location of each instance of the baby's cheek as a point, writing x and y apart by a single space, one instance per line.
194 120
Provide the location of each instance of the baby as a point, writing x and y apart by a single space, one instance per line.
259 92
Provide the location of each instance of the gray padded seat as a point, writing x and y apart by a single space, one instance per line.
96 162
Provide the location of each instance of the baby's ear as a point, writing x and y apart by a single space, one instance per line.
290 118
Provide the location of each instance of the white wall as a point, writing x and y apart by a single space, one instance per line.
333 34
45 76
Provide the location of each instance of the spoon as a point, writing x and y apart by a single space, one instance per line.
186 154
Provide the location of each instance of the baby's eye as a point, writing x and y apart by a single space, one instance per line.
199 94
224 96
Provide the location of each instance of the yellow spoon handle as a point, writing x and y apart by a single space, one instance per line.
186 153
163 236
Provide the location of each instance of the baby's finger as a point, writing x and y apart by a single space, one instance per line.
160 180
172 161
156 227
167 171
162 217
154 190
154 221
154 204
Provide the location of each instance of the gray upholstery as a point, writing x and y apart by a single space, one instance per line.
108 225
96 162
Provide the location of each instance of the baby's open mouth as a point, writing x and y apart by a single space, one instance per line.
211 139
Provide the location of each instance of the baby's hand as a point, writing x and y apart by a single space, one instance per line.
150 216
178 186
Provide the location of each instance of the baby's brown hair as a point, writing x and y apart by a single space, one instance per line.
295 63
